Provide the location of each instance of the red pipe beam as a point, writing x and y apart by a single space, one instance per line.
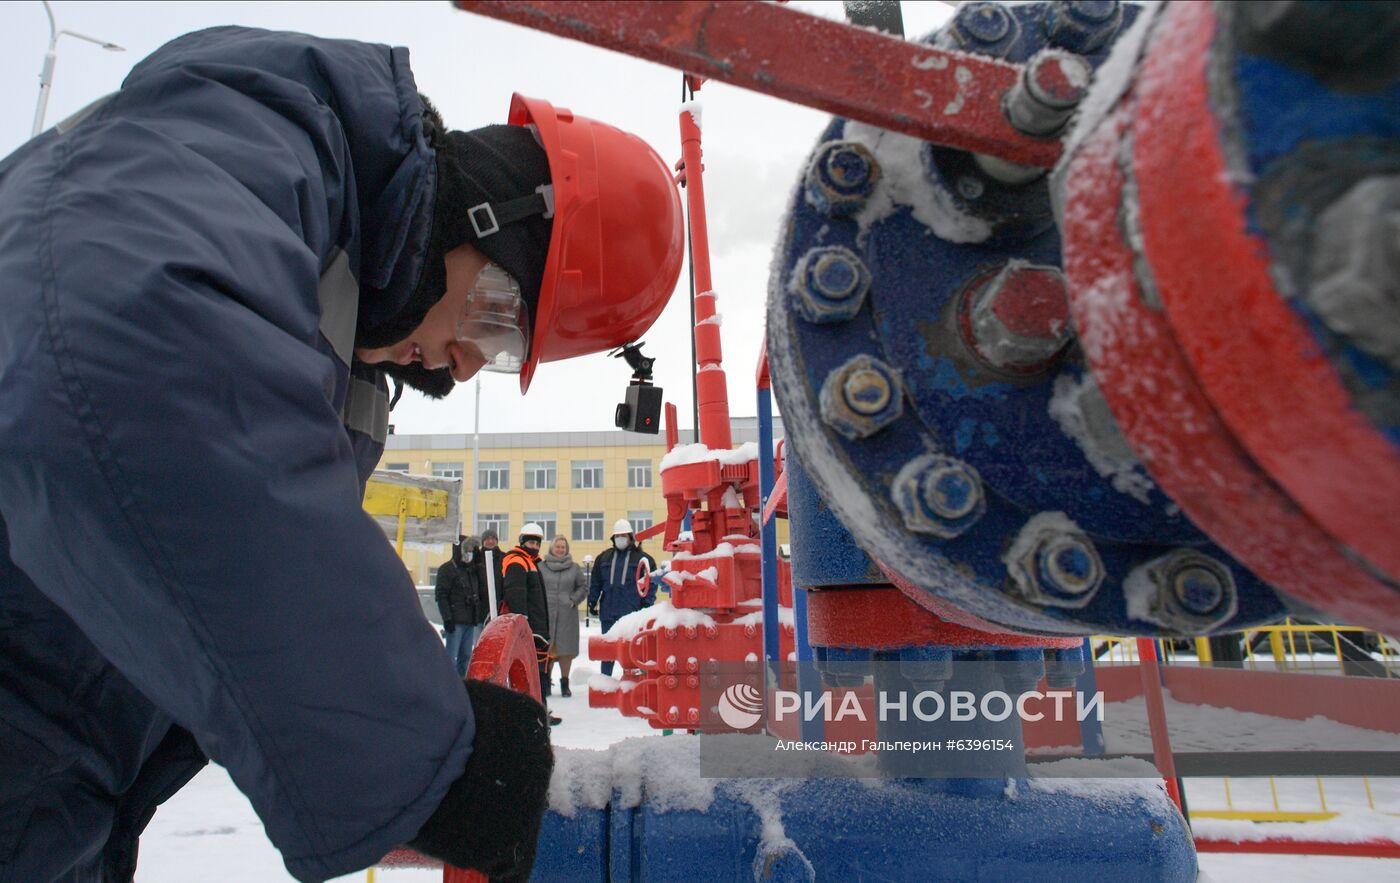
933 94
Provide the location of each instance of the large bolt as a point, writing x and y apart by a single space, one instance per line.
928 668
1063 666
938 495
861 397
1054 564
983 25
840 177
1083 25
1356 268
842 666
1051 86
830 284
1019 319
1020 669
1184 591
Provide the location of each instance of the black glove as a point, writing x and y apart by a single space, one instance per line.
592 609
490 818
449 628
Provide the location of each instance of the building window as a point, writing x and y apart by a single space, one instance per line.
548 522
395 467
539 475
588 525
432 576
588 474
497 521
640 521
493 476
448 469
639 473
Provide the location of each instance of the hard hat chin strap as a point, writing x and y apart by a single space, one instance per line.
487 218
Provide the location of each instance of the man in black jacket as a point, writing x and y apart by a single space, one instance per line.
523 592
457 599
488 572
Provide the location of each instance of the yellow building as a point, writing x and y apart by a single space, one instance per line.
572 483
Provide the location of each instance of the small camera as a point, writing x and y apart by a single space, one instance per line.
640 410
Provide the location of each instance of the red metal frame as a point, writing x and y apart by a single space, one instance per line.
933 94
1164 409
1253 355
1361 849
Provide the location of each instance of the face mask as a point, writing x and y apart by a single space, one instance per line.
467 557
619 543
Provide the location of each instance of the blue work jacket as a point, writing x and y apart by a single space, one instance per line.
185 567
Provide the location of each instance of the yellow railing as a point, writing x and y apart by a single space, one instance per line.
1290 649
1287 651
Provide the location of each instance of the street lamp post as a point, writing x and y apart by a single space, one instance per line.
51 57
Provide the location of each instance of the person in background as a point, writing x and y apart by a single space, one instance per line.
613 592
523 592
565 587
458 601
488 569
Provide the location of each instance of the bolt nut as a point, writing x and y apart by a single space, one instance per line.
980 26
1083 25
1019 319
862 397
1063 666
830 284
840 177
1184 591
1020 669
927 667
938 495
1054 566
1051 86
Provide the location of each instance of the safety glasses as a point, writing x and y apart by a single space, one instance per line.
495 321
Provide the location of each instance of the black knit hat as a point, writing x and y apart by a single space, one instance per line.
503 167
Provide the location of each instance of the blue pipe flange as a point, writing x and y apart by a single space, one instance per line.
932 386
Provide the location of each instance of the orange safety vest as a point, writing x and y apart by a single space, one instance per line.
513 556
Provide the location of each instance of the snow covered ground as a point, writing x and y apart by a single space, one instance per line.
209 832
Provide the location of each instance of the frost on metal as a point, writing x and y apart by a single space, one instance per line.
1111 81
1082 414
903 183
1040 525
1140 593
716 319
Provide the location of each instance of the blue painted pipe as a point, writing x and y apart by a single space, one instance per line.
846 829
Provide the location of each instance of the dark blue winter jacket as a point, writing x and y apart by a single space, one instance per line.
613 587
182 548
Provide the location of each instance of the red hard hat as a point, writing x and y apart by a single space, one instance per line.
616 245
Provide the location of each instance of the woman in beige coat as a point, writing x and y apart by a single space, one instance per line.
564 588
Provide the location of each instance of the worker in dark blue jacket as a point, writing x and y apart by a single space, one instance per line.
613 589
207 275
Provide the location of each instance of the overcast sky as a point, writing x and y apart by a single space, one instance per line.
754 150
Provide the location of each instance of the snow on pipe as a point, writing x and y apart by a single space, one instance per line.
642 811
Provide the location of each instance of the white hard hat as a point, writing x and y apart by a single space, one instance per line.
532 530
622 525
